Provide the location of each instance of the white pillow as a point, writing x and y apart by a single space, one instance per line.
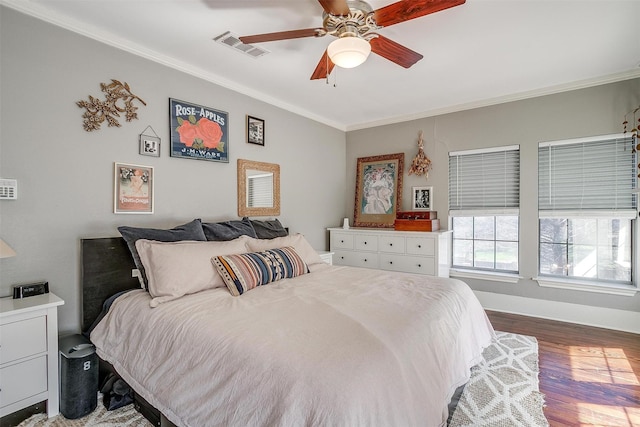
297 241
175 269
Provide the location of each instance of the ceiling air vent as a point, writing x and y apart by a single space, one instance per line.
234 42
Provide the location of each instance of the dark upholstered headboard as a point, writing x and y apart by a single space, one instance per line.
106 270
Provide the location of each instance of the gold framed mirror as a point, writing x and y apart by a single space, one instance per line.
258 188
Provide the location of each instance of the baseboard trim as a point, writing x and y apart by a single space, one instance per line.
608 318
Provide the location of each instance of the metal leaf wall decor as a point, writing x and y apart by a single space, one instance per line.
118 99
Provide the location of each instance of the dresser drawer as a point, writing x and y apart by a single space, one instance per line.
356 259
392 244
23 338
344 258
341 241
366 243
23 380
409 264
421 246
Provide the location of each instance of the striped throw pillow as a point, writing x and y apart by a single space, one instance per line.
244 272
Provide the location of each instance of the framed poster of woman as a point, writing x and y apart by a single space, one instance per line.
378 190
132 189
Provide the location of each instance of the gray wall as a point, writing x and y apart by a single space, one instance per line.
586 112
65 174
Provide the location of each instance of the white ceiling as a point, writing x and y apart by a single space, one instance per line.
480 53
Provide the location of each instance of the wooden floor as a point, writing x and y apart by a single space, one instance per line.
589 376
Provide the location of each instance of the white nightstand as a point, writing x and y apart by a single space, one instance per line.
326 256
29 353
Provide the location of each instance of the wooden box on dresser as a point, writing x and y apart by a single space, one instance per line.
29 353
408 251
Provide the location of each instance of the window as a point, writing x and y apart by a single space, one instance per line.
587 208
484 201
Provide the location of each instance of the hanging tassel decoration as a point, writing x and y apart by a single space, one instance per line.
634 132
421 164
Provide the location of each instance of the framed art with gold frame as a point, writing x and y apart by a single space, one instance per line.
378 190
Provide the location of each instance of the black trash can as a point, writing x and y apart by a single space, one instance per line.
78 376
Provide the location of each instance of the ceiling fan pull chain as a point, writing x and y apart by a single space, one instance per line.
328 73
326 61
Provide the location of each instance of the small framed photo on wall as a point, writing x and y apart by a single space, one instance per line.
132 189
149 145
422 198
255 130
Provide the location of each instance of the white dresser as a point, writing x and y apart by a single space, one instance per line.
29 353
409 251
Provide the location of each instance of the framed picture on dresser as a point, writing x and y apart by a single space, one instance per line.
378 190
422 198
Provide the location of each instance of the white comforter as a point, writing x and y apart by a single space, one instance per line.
341 346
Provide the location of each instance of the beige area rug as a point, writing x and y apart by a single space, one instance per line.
502 392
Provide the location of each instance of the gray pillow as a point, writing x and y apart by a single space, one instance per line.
269 229
228 230
189 231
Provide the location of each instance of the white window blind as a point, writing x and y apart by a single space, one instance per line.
260 191
485 180
588 176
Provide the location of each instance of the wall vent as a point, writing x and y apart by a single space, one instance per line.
231 40
8 189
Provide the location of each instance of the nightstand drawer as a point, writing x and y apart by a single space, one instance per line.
23 338
327 257
23 380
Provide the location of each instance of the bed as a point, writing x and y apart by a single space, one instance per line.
332 346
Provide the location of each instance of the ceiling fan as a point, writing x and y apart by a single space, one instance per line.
354 23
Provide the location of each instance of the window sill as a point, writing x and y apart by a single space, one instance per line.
485 275
577 285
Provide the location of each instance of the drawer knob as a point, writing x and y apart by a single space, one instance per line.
341 241
419 246
390 262
365 260
390 244
365 243
419 265
341 257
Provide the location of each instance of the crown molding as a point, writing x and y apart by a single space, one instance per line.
120 43
550 90
113 40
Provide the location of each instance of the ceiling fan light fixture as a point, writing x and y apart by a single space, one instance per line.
349 52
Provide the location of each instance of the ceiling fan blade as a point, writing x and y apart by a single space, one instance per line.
394 52
405 10
335 7
280 35
324 67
